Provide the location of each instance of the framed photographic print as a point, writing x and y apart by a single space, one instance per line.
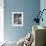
17 18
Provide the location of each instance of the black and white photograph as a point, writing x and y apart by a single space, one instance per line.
17 18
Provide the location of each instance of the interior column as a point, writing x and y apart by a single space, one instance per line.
1 20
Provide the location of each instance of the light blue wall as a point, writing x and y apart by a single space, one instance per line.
43 6
28 7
